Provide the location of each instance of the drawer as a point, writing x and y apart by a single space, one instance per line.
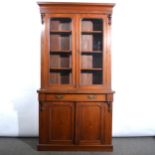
75 97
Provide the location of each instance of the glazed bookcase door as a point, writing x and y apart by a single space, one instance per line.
61 49
91 51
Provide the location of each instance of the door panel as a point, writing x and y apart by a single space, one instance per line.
60 122
61 50
92 49
90 120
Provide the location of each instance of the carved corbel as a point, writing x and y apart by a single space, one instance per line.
109 19
41 106
42 18
109 100
41 99
109 103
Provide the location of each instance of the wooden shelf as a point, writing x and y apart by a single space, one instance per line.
91 32
61 32
91 69
91 52
61 52
60 69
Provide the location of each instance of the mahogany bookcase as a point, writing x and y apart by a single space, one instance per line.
75 98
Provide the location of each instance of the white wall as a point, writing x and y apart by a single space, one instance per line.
133 68
133 37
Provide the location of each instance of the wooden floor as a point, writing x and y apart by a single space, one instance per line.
122 146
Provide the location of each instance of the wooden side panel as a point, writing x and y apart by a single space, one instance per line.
60 122
42 122
90 122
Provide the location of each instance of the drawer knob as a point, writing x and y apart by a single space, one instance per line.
91 96
59 96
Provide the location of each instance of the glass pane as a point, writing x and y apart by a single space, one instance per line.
60 42
60 71
90 24
91 51
60 24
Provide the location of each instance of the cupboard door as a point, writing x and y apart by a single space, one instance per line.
60 122
90 122
92 50
61 50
